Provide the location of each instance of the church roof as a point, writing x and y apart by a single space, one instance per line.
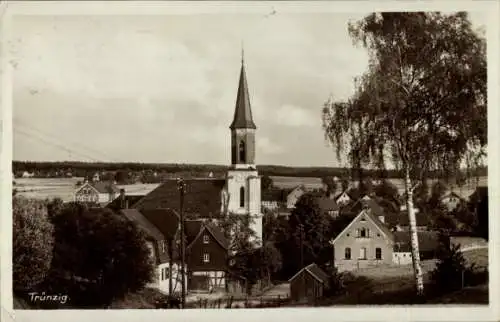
243 112
202 197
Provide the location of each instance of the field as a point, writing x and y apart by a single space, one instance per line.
64 188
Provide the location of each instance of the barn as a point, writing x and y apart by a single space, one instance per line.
309 284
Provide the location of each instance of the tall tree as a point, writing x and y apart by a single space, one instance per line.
421 104
266 182
32 243
98 257
309 232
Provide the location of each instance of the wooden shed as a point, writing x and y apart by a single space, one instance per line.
308 284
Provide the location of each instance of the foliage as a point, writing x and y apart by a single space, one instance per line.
270 260
32 243
331 185
447 276
266 182
98 257
421 104
309 232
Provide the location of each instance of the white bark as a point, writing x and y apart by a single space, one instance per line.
413 234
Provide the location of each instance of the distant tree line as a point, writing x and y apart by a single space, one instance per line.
84 169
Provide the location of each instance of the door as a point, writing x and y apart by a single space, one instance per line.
362 253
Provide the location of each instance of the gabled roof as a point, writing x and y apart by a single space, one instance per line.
213 230
104 187
115 205
373 216
315 272
166 220
361 204
202 197
243 111
452 194
327 204
274 195
427 241
143 223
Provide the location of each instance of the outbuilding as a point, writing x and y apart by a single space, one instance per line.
309 284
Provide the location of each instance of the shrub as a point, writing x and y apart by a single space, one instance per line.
32 243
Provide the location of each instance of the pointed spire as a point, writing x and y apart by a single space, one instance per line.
243 112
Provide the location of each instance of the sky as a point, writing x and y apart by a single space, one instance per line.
162 88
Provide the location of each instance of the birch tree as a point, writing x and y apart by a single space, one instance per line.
421 104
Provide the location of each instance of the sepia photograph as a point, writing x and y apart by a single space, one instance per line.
249 159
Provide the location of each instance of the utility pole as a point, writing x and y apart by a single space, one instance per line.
182 187
301 228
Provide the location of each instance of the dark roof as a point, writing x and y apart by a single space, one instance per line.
374 217
104 187
243 112
427 241
202 197
401 219
215 231
115 205
166 220
326 204
192 229
314 271
361 204
274 195
143 223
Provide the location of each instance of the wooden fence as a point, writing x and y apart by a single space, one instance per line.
240 302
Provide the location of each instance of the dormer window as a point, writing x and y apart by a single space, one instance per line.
206 239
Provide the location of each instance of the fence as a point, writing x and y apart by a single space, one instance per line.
240 302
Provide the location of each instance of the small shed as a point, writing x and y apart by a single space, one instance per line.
308 284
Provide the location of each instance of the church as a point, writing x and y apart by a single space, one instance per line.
238 194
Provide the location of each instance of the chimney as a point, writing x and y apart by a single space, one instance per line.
381 218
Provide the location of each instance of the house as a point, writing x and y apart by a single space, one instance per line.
274 198
365 242
343 198
99 192
452 200
428 243
294 195
206 256
328 206
309 284
167 275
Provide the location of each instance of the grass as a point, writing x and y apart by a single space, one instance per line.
479 257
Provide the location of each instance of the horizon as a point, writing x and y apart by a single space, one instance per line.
83 91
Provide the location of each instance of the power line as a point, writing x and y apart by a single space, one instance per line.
62 147
54 138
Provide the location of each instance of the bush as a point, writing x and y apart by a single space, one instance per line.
450 268
32 243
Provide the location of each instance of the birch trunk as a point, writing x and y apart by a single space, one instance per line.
413 234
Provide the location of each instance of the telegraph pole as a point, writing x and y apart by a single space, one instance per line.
182 187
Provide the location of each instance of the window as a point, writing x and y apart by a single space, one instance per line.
362 253
378 253
363 233
242 152
363 219
162 274
163 246
206 239
206 258
347 253
242 197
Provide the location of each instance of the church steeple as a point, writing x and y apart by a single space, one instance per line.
243 111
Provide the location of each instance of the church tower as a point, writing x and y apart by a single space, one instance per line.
243 181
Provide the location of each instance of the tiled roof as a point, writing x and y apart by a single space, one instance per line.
202 197
274 195
361 204
401 219
243 112
215 231
115 205
166 220
105 187
192 229
315 271
374 217
427 241
135 216
326 204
